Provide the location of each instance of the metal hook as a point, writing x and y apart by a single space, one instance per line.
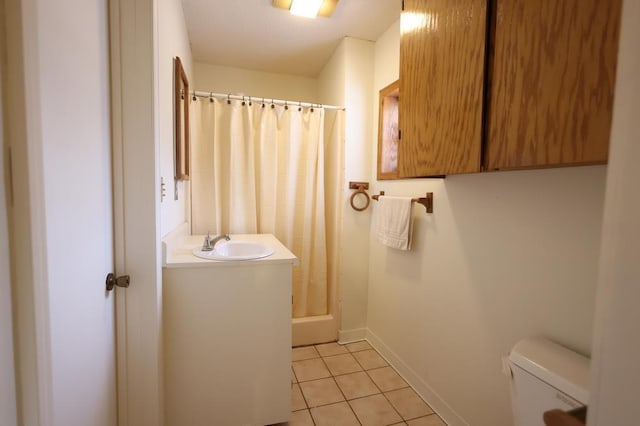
286 107
228 99
262 102
211 97
194 96
299 106
243 103
272 104
250 103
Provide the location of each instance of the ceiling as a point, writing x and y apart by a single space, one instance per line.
251 34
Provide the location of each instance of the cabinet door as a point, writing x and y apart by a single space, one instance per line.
442 59
552 80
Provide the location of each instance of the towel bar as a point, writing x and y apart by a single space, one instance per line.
427 201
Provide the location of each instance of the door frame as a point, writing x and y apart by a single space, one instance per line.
136 201
26 219
8 405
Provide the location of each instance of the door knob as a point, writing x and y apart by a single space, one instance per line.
112 281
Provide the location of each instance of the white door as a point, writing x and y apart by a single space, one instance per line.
136 209
61 221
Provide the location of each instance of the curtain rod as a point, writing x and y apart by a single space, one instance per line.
229 96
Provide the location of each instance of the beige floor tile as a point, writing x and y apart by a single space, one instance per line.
374 410
304 352
329 349
293 376
358 346
386 379
334 415
321 392
370 359
342 364
300 418
408 403
297 401
356 385
310 369
432 420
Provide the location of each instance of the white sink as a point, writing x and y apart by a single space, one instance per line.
235 250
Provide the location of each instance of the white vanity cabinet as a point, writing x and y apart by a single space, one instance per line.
227 338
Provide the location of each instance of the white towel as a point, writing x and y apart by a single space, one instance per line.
394 222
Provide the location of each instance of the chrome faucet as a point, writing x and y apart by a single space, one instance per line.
210 243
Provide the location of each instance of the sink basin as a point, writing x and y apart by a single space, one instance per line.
235 250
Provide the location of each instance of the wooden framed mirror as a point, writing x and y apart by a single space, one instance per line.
181 105
388 131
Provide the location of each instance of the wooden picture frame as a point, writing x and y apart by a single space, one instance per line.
181 105
388 133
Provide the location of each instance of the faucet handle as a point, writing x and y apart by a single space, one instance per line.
206 246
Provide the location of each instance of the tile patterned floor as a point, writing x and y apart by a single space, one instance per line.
352 384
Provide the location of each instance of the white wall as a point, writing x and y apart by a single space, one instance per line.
331 91
219 79
359 60
615 373
173 41
7 376
346 80
504 256
331 80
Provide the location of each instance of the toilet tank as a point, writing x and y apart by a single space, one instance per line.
544 376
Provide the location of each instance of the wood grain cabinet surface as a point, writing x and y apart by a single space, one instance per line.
551 82
442 53
505 84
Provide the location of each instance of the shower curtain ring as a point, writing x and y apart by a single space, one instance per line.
228 98
194 96
250 103
286 107
272 104
299 106
243 103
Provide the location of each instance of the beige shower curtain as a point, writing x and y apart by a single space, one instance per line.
262 170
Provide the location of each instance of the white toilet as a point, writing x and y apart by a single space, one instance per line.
544 376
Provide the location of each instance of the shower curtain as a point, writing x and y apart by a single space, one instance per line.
261 169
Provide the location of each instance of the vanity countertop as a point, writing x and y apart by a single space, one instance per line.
178 253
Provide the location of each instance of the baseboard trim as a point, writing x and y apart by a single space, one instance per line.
353 335
413 379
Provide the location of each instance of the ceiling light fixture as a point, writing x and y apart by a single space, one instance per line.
307 8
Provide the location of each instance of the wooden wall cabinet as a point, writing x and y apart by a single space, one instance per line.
551 82
505 84
442 51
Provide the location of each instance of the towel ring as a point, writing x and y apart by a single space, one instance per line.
360 188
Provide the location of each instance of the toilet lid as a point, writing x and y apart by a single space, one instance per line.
562 368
